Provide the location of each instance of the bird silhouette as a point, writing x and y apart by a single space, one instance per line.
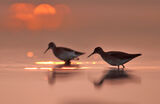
62 53
114 58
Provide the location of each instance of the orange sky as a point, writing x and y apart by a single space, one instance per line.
36 17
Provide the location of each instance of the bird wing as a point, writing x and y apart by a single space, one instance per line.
122 55
69 50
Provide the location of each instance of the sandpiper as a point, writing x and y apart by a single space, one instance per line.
114 58
63 53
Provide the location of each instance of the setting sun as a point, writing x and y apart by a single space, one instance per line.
44 9
22 11
37 17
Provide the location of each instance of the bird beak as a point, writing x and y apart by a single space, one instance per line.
91 54
46 50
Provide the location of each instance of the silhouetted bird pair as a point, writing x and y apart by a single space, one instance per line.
114 58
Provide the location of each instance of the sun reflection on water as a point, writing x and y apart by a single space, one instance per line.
46 65
61 62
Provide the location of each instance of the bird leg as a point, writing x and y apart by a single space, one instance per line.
68 62
118 67
123 66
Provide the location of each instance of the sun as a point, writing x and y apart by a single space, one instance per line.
44 9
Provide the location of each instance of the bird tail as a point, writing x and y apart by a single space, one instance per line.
79 53
136 55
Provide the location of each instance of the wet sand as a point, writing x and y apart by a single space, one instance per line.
97 86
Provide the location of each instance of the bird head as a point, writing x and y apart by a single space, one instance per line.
51 45
96 50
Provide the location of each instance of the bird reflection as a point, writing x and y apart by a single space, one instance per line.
61 72
91 101
51 77
114 76
64 66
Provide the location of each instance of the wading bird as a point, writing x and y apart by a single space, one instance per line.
114 58
63 53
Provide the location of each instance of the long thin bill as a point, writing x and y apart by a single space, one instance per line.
46 50
91 54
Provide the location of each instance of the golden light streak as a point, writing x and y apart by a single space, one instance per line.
31 68
52 69
84 67
65 67
49 63
45 68
68 68
61 62
36 68
79 63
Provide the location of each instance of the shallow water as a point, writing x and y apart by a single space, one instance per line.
79 86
